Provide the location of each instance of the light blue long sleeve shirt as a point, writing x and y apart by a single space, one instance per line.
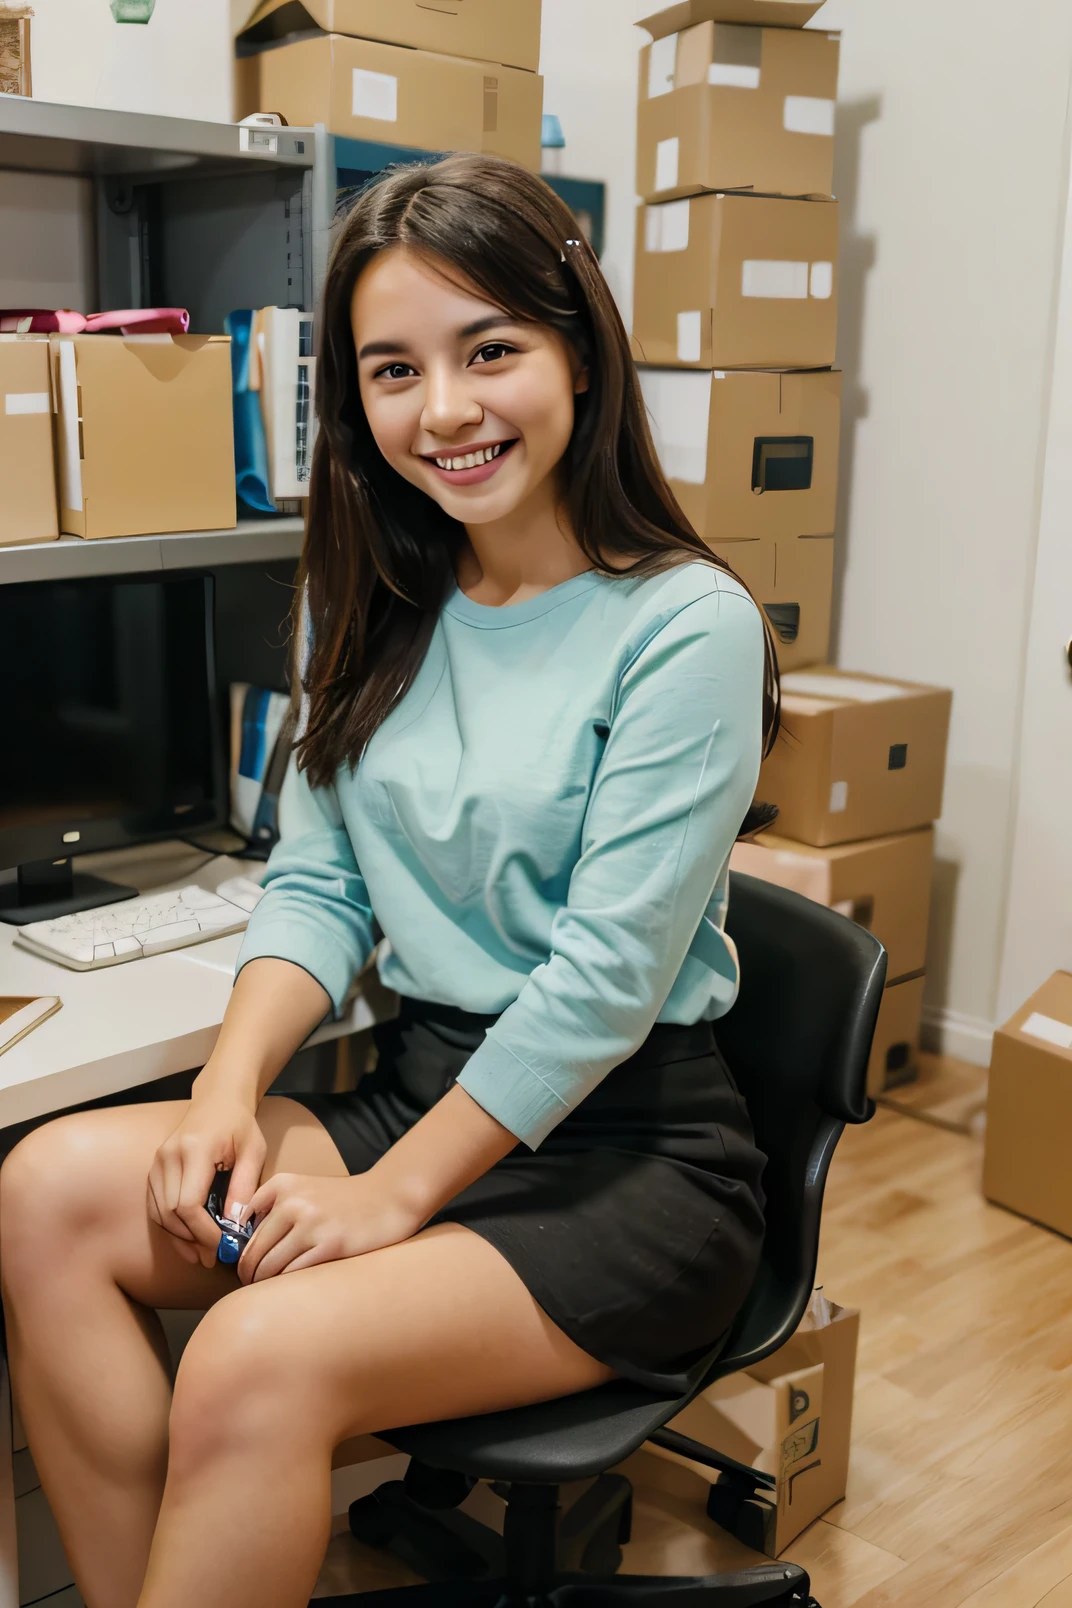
541 828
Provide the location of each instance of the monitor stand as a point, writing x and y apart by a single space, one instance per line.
49 888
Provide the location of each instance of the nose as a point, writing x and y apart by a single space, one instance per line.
449 402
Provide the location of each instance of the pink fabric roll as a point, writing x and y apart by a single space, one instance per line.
139 321
40 321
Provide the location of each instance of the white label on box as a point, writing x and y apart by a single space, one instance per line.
26 402
765 276
70 457
1049 1029
678 402
688 337
666 158
666 227
731 75
821 282
662 61
839 797
808 114
849 688
375 95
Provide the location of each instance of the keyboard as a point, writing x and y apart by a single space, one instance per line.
114 933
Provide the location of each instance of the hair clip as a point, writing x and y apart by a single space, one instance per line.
562 254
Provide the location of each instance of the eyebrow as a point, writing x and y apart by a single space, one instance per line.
478 327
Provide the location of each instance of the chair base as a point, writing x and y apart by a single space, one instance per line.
775 1585
545 1558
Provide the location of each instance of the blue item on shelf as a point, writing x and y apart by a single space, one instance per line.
251 448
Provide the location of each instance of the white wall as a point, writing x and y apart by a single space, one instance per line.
952 145
588 57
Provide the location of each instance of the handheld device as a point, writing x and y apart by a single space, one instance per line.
234 1237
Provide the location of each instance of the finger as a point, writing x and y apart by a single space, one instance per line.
187 1251
246 1175
282 1254
151 1202
269 1231
198 1173
168 1169
311 1258
263 1199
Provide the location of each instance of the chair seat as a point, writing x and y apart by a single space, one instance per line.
571 1438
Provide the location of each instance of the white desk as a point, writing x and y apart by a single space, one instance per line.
118 1027
128 1024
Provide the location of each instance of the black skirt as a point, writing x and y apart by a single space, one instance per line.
636 1225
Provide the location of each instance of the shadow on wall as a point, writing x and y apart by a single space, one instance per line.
939 947
858 253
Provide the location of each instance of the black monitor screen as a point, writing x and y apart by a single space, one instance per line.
110 720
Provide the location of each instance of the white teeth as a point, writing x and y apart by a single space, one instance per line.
471 460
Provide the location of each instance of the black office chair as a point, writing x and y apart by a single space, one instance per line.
798 1041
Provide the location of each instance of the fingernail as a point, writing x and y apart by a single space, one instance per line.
237 1211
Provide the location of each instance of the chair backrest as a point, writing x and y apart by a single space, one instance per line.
798 1042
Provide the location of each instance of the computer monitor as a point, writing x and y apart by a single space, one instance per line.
110 732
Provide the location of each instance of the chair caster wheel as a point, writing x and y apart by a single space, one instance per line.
370 1522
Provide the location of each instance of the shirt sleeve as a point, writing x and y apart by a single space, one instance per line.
676 777
315 911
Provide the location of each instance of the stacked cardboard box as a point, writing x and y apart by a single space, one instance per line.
734 326
399 72
735 318
857 776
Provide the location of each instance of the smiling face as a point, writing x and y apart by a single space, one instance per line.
469 404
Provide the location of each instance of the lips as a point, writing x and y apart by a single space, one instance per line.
472 467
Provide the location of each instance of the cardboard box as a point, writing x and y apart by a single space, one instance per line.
393 95
794 582
754 13
895 1048
857 756
790 1416
748 454
725 107
1029 1108
144 433
882 883
27 470
736 281
487 30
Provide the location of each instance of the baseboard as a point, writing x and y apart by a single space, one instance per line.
947 1032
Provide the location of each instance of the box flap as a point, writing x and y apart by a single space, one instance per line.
757 13
1045 1020
838 686
277 19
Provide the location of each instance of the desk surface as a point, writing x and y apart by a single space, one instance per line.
128 1024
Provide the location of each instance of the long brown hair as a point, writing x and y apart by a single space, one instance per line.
378 559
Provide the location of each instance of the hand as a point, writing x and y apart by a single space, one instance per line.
302 1221
217 1131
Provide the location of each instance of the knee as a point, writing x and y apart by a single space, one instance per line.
244 1384
52 1189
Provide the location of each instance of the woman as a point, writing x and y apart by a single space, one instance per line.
533 713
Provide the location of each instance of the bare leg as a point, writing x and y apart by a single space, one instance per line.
277 1374
83 1267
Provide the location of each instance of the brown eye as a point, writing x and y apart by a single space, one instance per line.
395 371
492 352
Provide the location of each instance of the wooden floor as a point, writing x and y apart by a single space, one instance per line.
960 1493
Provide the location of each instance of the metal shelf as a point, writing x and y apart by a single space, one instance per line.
252 541
46 137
